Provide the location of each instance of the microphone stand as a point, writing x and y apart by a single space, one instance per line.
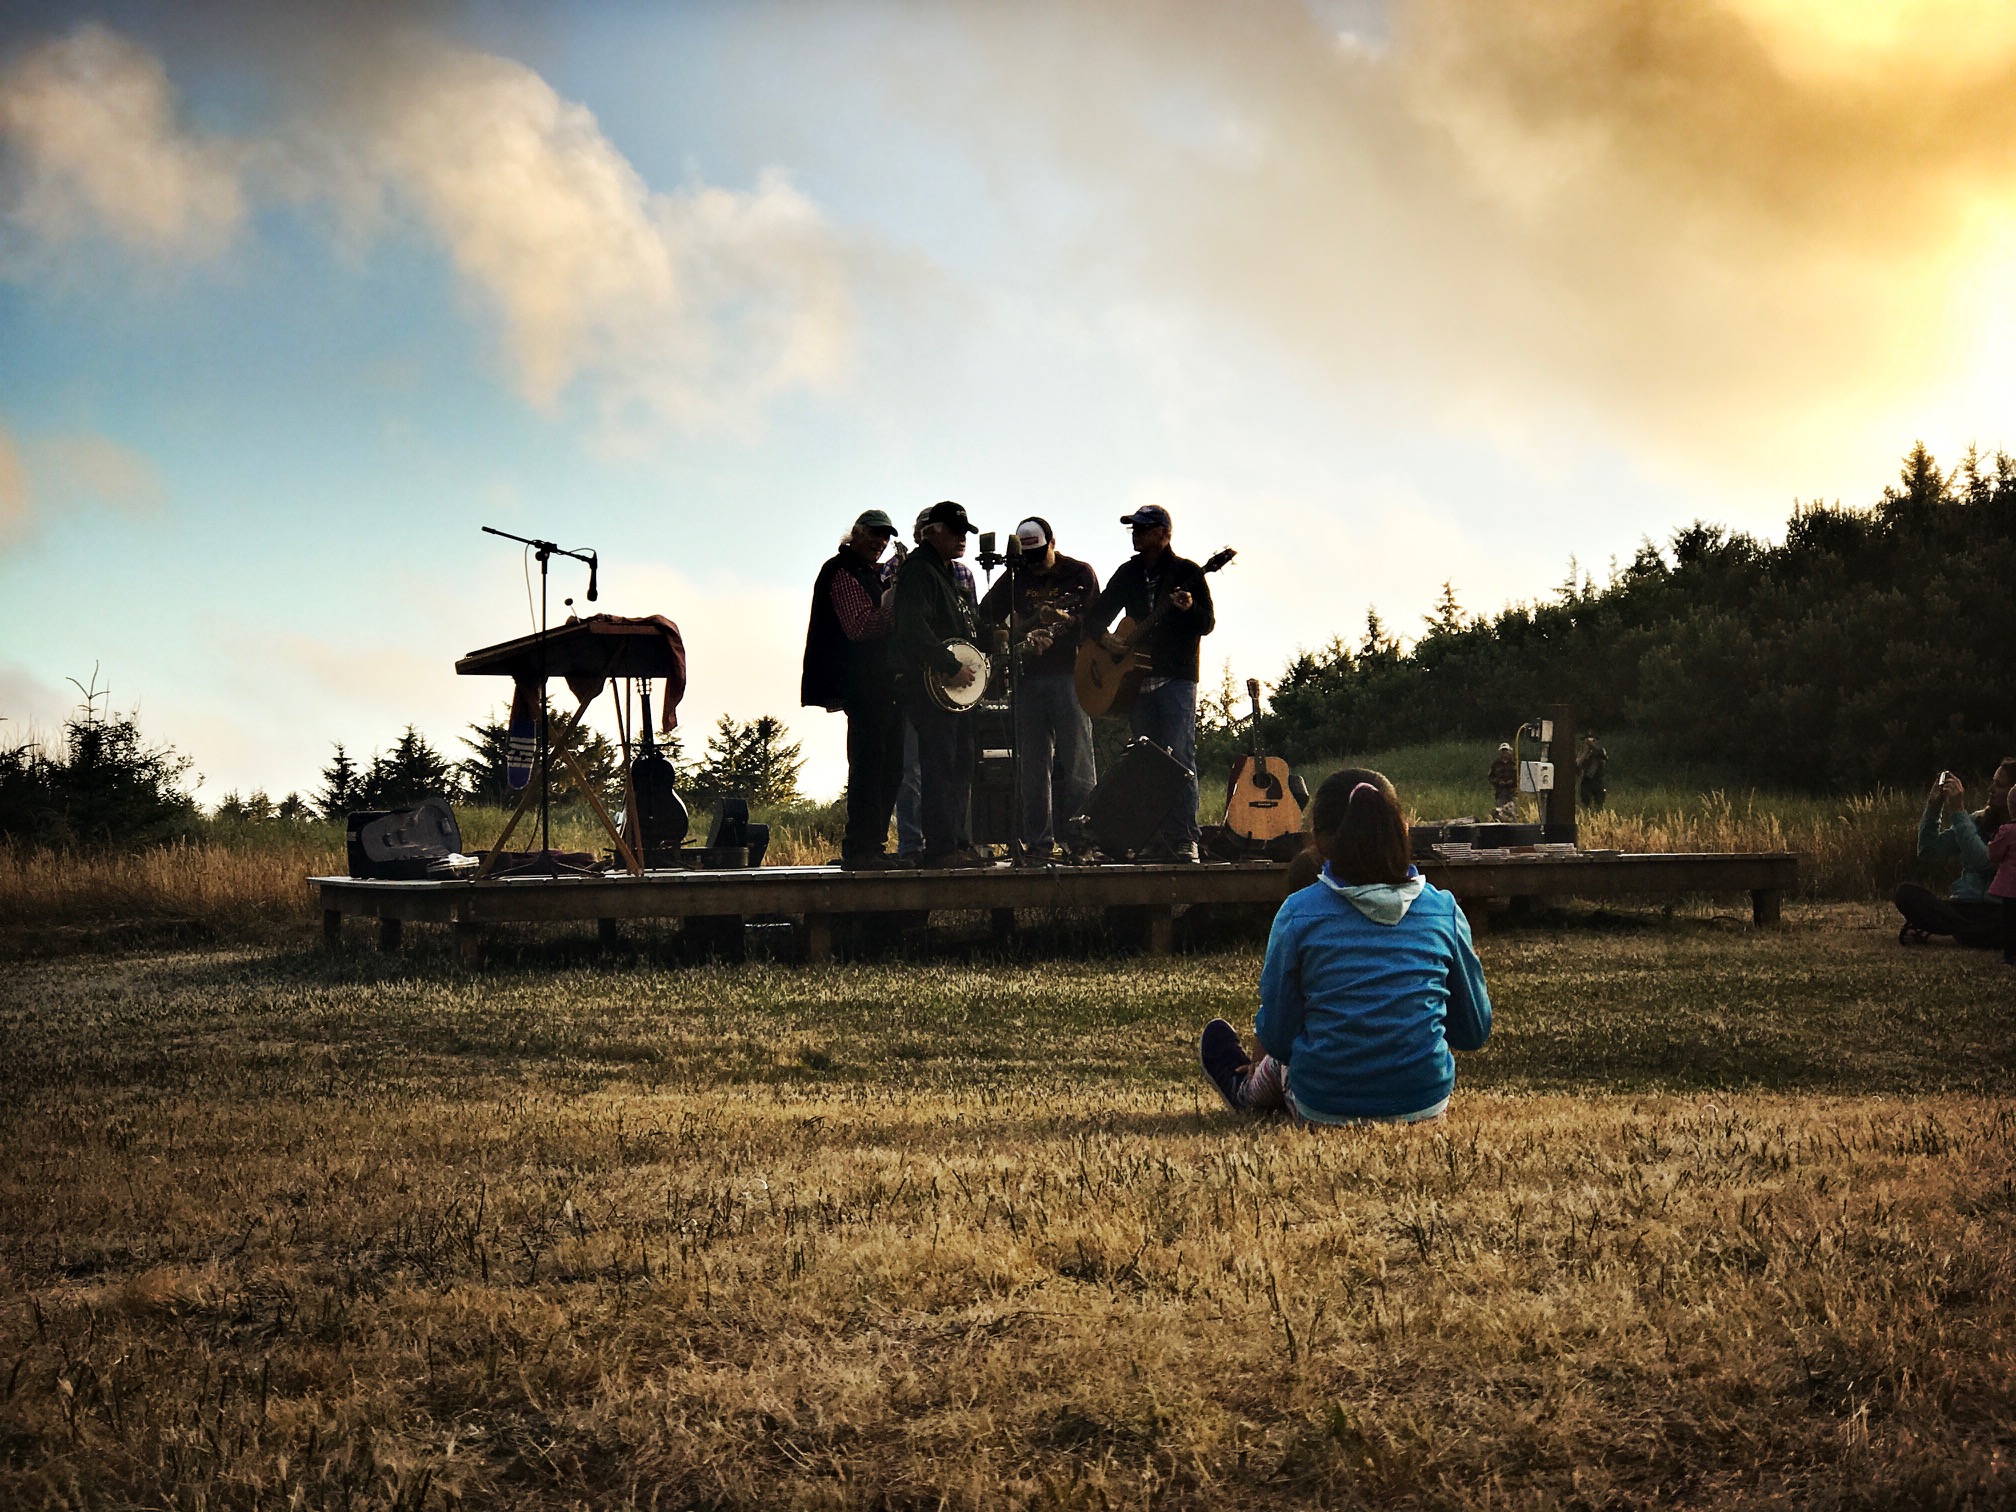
546 550
1010 559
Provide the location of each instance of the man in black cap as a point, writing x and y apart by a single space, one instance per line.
931 609
848 670
1053 735
1165 707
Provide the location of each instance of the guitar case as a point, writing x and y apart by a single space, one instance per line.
403 844
1140 790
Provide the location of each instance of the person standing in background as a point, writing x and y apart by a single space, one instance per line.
1504 778
1589 766
1053 734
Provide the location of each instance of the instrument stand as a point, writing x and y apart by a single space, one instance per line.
1009 560
546 550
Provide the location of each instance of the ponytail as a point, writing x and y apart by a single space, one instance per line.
1356 823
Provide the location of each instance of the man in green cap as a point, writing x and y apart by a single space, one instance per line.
847 670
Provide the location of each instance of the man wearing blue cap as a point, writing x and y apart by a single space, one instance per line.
1165 707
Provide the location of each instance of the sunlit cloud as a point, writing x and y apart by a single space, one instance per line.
96 147
693 308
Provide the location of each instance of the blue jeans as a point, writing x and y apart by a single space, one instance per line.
1053 742
1167 715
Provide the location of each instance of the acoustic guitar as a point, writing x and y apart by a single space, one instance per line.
660 820
1260 800
1107 680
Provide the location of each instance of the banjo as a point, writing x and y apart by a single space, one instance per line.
959 700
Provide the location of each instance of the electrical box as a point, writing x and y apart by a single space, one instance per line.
1536 776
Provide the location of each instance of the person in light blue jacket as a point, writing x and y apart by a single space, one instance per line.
1370 981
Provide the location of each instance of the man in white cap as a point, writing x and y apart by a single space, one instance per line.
1505 784
1053 734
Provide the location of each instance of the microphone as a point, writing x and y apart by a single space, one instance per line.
594 565
1014 544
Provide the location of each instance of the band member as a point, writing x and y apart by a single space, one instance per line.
910 796
1165 708
930 610
848 670
1053 735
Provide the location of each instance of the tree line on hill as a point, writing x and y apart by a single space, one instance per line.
1873 646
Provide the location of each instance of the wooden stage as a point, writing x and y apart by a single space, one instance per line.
1147 900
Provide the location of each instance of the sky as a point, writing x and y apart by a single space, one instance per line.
295 298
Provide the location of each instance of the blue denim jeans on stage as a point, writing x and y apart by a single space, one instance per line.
1053 740
1165 711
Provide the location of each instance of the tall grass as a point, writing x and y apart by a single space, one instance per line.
248 877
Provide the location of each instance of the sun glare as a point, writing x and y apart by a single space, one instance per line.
1862 39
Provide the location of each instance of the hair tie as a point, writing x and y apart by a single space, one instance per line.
1363 787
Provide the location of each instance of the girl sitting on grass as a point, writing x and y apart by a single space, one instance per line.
1370 980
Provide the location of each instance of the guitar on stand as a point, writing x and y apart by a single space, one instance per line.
1107 680
1263 800
657 821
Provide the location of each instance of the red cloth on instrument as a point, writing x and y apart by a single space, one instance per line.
674 687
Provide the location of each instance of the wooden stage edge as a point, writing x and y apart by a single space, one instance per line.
1148 897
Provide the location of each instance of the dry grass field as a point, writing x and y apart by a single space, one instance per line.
1721 1217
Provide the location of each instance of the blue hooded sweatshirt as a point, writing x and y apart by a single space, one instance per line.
1365 991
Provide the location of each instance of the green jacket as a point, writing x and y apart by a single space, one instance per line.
931 608
1962 838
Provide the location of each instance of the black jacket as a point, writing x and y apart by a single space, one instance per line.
1172 647
931 608
839 671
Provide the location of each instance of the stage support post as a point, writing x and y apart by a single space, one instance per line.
1764 906
332 928
389 932
1560 806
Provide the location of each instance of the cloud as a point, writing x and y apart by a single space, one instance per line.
693 307
52 474
87 470
89 120
1722 229
14 501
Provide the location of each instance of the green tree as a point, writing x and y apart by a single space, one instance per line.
484 773
106 788
410 771
342 786
752 758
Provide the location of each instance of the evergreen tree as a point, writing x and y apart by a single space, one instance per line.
410 771
1447 618
752 758
342 788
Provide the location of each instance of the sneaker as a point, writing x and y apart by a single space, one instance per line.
1224 1059
868 861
